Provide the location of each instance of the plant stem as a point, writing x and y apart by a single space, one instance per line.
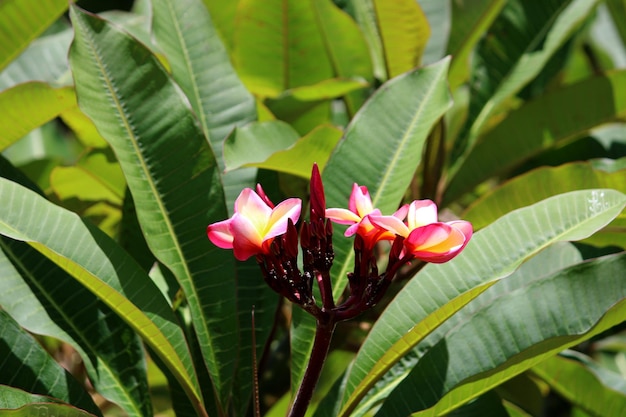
323 334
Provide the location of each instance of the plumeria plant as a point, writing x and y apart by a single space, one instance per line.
440 228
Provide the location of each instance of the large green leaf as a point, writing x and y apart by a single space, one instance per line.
568 216
538 184
365 16
28 106
200 65
550 119
523 327
36 410
517 46
439 16
26 365
404 32
112 353
171 172
278 46
588 385
104 268
22 21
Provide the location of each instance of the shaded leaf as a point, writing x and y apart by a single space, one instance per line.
546 121
26 365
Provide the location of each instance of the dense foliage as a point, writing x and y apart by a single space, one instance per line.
125 133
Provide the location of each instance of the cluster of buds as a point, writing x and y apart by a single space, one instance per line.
268 232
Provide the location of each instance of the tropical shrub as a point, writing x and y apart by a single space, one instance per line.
127 133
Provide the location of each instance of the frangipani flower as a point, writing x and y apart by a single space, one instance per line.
359 208
255 224
426 238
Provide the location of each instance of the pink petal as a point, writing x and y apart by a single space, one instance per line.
436 242
421 213
252 207
219 233
342 216
390 223
277 224
246 237
360 202
464 227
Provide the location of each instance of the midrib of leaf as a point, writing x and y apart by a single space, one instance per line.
338 290
157 196
85 341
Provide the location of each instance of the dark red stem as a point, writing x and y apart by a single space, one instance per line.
321 344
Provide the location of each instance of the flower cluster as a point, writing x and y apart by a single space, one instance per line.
268 232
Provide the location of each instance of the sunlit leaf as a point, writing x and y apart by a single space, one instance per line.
28 106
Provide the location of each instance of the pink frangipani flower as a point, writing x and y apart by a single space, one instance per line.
255 224
426 238
359 208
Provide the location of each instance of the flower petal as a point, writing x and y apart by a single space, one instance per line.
436 242
342 216
219 233
252 207
277 224
421 213
360 201
247 240
390 223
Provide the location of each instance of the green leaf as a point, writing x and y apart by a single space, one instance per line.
92 178
584 383
517 46
325 90
547 121
11 397
275 146
278 46
404 32
346 48
314 147
538 184
111 352
22 21
365 17
223 17
439 16
470 21
201 66
568 216
175 183
490 346
36 410
256 142
28 106
101 266
26 365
